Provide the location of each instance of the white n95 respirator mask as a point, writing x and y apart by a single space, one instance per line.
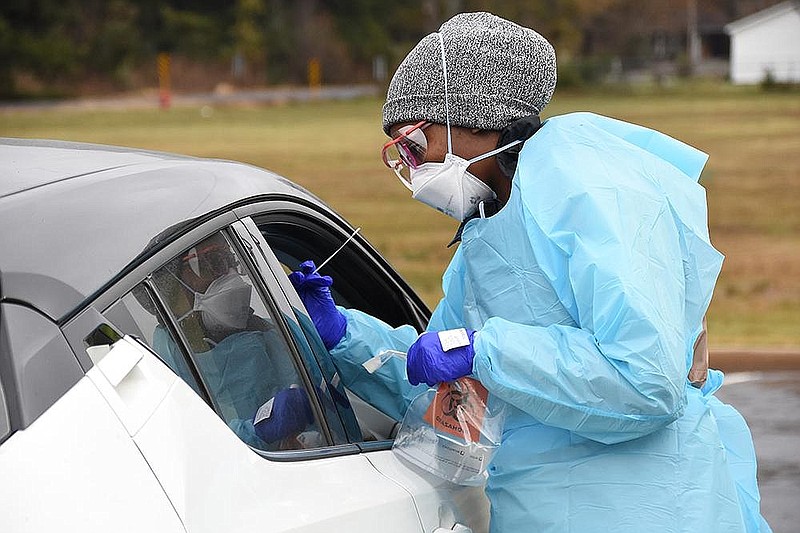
225 304
448 187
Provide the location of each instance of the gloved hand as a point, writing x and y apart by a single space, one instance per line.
314 290
427 362
288 415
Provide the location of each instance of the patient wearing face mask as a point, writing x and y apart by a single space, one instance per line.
239 354
222 306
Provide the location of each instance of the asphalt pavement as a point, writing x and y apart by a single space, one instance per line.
770 402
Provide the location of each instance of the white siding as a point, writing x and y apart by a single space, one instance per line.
769 46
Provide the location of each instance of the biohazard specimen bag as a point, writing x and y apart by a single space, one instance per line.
452 431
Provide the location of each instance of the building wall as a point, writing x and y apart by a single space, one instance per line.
770 46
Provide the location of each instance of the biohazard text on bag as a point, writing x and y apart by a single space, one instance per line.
452 431
458 409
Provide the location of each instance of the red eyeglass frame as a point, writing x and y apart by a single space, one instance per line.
396 164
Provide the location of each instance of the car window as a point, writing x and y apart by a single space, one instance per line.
229 340
359 283
137 314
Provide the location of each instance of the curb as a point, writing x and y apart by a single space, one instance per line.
754 359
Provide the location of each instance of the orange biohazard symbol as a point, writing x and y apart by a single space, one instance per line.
458 409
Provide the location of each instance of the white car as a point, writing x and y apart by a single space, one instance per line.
111 417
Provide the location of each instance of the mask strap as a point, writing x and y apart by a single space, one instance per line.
446 96
183 317
447 113
495 151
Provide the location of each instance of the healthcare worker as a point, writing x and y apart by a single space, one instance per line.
238 354
578 292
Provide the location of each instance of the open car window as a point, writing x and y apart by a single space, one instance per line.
360 282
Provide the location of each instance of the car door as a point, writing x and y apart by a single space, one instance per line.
296 232
73 467
199 439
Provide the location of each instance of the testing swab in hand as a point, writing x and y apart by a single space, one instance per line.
339 249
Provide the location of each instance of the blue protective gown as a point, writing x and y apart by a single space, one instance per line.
588 291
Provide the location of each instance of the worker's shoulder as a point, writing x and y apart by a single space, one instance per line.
580 131
586 121
592 136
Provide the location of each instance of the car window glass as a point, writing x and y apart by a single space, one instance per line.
137 314
227 335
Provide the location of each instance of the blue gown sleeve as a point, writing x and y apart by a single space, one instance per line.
165 346
608 239
388 388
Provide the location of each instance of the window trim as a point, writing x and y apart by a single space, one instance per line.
5 416
261 285
292 309
178 336
289 456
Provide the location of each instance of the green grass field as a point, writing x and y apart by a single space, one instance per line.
332 148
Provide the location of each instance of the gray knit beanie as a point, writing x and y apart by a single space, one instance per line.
497 72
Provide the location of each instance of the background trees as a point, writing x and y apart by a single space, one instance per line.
51 47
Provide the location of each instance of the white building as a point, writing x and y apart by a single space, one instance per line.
766 43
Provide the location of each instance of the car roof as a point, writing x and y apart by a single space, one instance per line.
75 215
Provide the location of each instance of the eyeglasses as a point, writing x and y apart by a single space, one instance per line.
406 151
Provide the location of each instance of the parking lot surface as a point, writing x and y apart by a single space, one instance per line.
770 401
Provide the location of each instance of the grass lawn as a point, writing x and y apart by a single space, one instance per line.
752 179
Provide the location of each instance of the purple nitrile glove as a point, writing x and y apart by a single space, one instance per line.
314 290
287 414
427 362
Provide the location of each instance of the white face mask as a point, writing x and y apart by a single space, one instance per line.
448 187
225 305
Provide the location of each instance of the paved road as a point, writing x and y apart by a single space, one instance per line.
770 402
272 95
